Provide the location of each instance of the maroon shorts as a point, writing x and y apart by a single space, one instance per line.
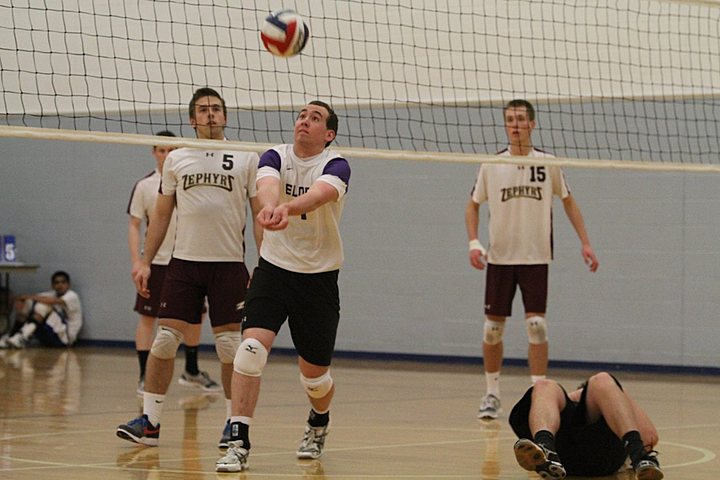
502 281
150 306
187 283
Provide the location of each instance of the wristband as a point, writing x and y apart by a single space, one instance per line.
476 245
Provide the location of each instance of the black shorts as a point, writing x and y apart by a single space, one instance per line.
501 281
187 284
584 449
47 336
310 302
150 306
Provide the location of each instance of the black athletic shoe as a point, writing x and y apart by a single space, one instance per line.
648 468
536 458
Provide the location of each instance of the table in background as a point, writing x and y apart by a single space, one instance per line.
6 268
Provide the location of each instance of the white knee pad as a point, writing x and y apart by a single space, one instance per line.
250 358
493 331
536 330
28 329
42 309
317 387
167 340
26 306
226 345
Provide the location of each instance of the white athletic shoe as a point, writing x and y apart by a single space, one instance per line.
312 443
235 459
201 380
16 341
489 407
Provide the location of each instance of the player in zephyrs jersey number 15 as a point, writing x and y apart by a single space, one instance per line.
519 200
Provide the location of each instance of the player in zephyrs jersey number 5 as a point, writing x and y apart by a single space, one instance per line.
208 256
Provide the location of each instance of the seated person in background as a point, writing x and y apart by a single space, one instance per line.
54 318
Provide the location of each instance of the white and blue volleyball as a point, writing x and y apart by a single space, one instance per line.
284 33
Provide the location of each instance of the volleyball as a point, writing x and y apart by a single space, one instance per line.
284 33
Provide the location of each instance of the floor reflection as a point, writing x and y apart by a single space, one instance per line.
491 459
41 380
144 463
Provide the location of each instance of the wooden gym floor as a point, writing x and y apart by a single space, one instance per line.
403 420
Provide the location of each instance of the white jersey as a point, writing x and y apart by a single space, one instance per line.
142 203
311 242
67 330
520 205
211 189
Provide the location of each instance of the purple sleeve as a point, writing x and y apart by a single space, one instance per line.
338 167
270 158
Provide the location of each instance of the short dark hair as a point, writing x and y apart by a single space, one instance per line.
164 133
60 273
518 103
332 120
205 92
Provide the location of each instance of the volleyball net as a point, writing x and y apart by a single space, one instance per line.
631 84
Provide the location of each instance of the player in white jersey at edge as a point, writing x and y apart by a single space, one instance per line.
520 245
301 188
209 190
140 207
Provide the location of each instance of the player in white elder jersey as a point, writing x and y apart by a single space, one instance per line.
209 191
140 207
520 234
301 188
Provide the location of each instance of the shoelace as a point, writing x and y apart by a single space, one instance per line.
136 421
651 456
489 402
311 434
208 380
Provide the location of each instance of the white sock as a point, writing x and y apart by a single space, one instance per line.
245 420
153 404
492 381
28 329
535 378
228 408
